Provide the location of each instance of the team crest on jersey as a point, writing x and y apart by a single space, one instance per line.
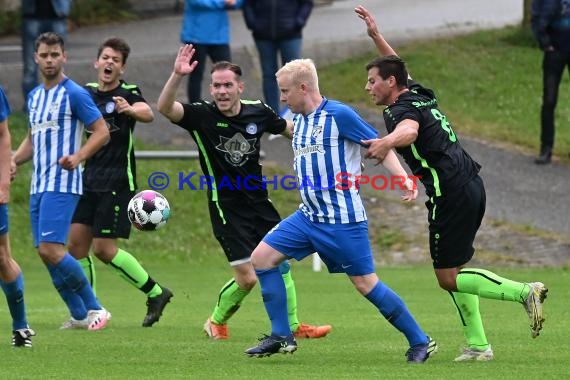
54 107
317 130
109 107
251 128
236 148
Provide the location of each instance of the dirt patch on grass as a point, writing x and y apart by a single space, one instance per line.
399 235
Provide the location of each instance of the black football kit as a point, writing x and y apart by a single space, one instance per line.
113 166
240 210
450 176
109 178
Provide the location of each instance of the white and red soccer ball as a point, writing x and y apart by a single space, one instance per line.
148 210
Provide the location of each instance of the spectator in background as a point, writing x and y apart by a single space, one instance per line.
551 27
39 16
276 27
205 26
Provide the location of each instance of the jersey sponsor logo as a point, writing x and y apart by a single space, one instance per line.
221 124
429 103
236 148
40 127
251 128
309 150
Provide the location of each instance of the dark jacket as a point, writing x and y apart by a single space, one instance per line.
61 9
276 19
551 23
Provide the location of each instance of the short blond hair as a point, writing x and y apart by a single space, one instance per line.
301 70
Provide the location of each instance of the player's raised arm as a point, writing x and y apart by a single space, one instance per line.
372 29
183 65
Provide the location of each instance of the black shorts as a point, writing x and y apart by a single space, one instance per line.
453 223
105 212
240 226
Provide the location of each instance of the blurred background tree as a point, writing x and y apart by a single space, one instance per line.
527 14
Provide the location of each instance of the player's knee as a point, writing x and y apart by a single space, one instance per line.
248 283
105 255
4 261
260 261
51 254
75 250
447 284
364 284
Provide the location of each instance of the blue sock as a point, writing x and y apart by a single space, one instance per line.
275 300
75 279
392 307
74 303
284 267
14 292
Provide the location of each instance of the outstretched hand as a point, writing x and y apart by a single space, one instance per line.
184 64
364 14
411 191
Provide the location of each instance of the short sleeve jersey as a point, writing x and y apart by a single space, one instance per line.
326 145
113 167
436 156
57 118
229 147
4 106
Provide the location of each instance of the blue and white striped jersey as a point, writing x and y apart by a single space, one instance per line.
326 145
56 119
4 106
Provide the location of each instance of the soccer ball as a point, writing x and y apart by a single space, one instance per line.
148 210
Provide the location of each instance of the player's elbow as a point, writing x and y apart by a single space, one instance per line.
166 108
411 135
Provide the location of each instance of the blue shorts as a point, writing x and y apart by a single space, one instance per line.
50 214
344 248
3 219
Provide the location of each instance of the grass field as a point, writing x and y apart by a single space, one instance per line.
362 344
185 257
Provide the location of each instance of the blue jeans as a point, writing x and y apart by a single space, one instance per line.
31 29
288 50
553 66
216 53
